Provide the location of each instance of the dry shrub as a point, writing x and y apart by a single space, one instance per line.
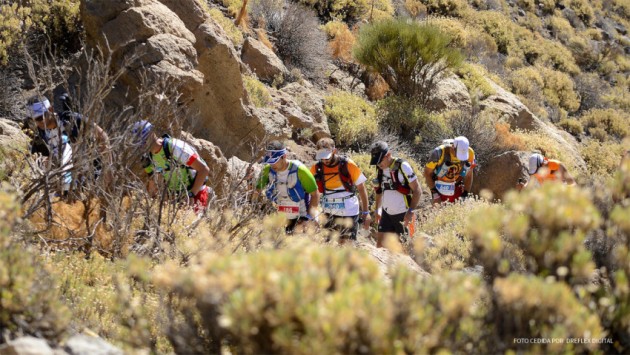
341 40
614 123
330 301
449 246
474 77
505 139
261 35
602 159
376 87
416 8
572 126
299 40
527 81
559 90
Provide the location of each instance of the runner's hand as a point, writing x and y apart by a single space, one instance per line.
367 220
377 218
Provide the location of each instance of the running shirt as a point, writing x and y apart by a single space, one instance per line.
283 180
393 202
451 169
176 171
59 148
340 202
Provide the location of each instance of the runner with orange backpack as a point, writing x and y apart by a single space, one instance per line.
544 169
339 181
397 193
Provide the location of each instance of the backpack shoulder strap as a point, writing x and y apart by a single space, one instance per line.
165 145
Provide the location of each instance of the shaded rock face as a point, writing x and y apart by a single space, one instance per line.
303 107
501 173
451 94
262 60
176 42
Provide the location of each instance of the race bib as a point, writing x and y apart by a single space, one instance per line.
445 188
291 211
334 204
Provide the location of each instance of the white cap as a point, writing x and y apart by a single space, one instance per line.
535 161
448 142
461 147
38 108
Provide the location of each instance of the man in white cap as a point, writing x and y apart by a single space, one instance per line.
449 172
544 169
341 185
55 137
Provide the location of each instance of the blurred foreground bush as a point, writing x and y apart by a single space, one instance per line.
29 302
314 299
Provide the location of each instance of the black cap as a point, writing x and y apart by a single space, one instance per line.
378 151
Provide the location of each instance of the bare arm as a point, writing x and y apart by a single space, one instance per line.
313 206
416 191
468 180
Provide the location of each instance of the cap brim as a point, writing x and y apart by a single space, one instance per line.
324 154
271 161
375 160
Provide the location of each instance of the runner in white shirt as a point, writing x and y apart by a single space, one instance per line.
397 193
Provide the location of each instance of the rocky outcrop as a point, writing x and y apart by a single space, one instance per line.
262 61
11 135
175 43
303 107
501 173
507 107
82 344
343 80
451 94
26 346
387 260
511 109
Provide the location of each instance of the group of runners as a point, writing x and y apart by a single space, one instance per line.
331 194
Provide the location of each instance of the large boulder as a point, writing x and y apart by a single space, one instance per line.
451 94
501 173
262 60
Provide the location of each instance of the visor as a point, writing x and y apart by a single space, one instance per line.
39 108
377 157
324 154
273 156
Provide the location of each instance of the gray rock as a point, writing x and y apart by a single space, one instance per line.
501 173
451 94
26 346
82 344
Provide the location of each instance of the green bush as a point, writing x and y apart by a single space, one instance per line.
407 118
352 120
257 91
606 123
410 56
559 90
234 33
58 19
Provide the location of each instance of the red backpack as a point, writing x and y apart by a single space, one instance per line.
344 175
